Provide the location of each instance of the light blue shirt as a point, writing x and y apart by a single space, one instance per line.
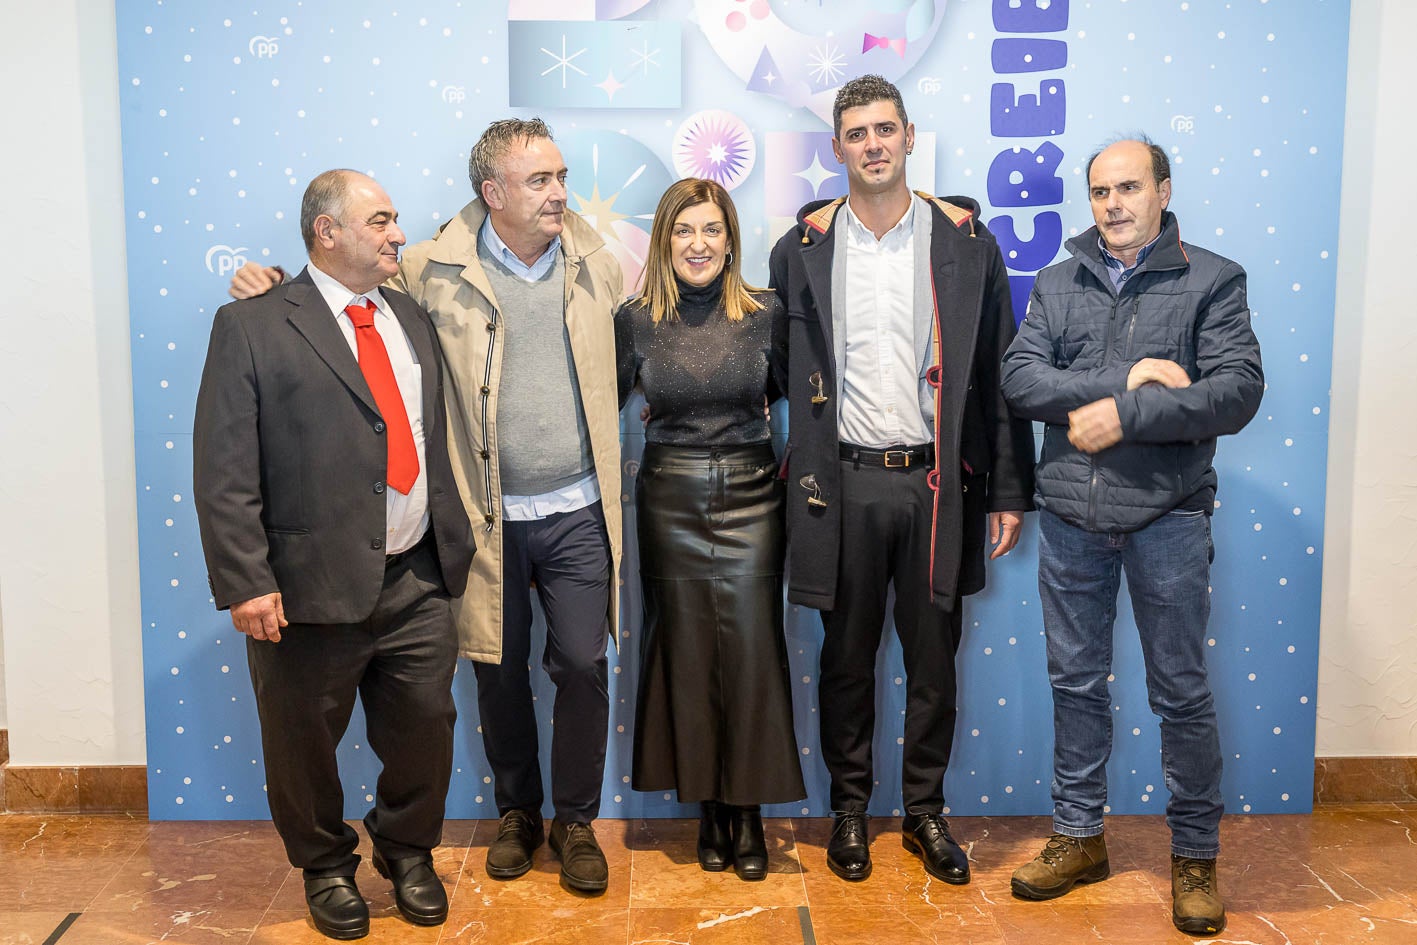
511 260
1117 270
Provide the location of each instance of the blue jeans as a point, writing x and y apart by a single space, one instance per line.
1168 574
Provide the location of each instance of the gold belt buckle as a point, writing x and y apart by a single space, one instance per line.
904 459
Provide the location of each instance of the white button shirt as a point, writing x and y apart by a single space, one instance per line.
880 401
405 516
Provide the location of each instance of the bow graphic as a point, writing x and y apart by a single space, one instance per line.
882 42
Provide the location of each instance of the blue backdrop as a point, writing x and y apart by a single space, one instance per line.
228 111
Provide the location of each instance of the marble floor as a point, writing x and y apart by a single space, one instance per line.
1343 875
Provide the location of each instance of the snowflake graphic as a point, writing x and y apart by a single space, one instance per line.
826 64
716 145
644 57
563 61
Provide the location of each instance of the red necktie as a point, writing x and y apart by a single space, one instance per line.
374 362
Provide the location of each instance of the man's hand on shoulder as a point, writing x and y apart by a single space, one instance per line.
254 279
260 618
1157 371
1096 426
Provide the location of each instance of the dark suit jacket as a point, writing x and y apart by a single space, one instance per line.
984 456
289 458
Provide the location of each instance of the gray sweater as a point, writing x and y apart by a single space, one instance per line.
542 440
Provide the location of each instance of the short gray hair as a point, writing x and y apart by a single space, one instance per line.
327 195
864 90
485 160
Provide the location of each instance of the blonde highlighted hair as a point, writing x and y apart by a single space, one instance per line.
659 292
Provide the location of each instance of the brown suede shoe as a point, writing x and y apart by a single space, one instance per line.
1195 896
1064 862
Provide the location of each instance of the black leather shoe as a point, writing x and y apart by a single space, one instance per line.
849 851
928 837
582 864
715 844
336 907
519 833
418 892
750 849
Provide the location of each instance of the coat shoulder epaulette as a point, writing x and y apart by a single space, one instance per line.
821 218
962 219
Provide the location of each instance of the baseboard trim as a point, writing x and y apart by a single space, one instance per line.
124 788
1365 780
93 789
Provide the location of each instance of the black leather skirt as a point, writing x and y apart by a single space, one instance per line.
713 716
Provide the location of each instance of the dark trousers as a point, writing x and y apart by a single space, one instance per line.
885 537
399 661
567 556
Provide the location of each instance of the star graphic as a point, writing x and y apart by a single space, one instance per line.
611 85
600 212
826 64
815 175
643 57
769 77
563 61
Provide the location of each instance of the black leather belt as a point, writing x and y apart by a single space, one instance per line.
425 542
897 457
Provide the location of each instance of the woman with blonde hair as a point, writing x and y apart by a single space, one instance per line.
713 718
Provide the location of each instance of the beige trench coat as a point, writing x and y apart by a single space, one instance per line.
445 276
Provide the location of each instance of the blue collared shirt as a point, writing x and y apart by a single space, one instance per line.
511 260
1117 270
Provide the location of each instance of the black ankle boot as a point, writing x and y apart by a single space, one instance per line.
750 849
715 843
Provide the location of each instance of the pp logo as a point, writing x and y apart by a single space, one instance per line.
224 260
454 94
1183 124
263 47
928 85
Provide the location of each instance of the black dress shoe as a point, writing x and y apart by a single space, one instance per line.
928 837
849 851
336 907
518 835
418 892
750 849
715 843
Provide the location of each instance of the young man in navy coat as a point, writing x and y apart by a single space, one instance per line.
900 451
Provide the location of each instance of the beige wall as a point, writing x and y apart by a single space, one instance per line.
68 561
1367 702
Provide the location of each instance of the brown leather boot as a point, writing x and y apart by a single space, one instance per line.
1063 863
1195 896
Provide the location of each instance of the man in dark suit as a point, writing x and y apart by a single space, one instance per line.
334 533
900 449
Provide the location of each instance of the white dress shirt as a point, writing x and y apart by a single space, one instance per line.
880 401
406 516
583 492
